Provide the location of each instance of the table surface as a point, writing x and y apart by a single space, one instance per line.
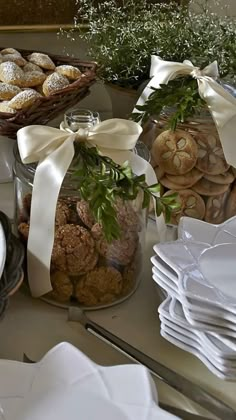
33 327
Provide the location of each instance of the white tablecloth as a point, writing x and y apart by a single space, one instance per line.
33 327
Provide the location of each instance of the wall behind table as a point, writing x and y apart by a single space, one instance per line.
98 100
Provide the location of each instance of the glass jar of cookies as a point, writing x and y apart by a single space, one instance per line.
86 269
191 161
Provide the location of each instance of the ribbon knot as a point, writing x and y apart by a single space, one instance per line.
81 135
196 73
221 104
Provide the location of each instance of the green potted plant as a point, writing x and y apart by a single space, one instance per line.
122 36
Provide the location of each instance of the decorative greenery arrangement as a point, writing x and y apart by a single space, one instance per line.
181 93
123 38
101 187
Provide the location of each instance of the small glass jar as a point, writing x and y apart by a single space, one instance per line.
86 269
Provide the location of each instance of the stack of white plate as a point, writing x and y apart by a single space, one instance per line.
197 276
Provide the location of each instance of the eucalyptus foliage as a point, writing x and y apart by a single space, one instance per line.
123 38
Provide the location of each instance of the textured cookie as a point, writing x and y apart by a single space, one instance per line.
15 58
23 229
225 178
34 78
211 158
31 67
208 188
24 99
84 213
62 287
42 60
186 180
53 83
216 208
175 152
62 213
8 91
11 73
71 72
191 204
73 250
101 285
4 107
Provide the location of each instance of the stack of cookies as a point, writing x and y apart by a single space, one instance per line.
194 166
23 81
85 267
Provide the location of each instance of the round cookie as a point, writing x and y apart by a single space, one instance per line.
208 188
211 158
24 99
225 178
191 205
62 213
216 208
175 152
186 180
101 285
62 287
170 184
71 72
74 250
53 83
42 60
8 91
84 213
23 229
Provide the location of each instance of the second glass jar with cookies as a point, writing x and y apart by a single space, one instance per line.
191 162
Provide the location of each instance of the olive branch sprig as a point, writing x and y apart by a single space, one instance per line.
101 181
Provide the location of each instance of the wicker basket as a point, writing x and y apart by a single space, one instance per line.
45 108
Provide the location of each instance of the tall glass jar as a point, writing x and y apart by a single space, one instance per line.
86 269
191 162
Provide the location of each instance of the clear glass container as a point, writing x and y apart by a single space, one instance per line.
193 166
86 269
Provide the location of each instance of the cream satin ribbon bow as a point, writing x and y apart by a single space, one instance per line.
221 104
53 149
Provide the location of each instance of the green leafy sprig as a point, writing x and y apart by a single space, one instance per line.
181 93
122 35
101 181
